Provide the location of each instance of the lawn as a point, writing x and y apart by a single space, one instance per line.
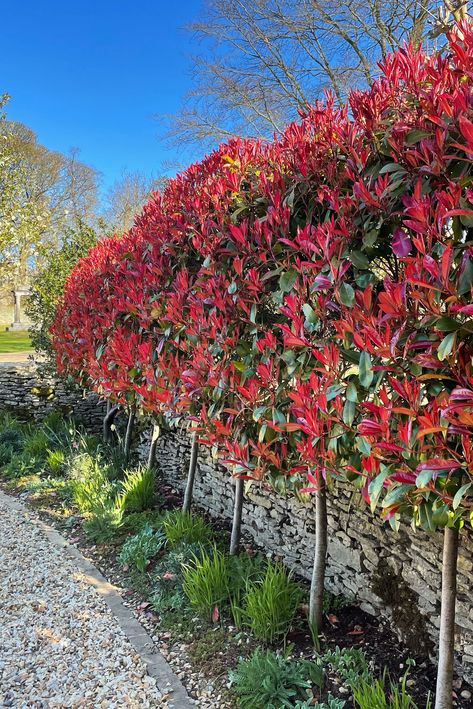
14 342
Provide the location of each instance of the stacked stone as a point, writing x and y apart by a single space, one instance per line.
30 396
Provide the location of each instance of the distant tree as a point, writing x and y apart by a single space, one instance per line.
126 197
263 61
48 284
67 185
42 193
22 219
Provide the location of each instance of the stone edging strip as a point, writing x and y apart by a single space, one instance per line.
156 665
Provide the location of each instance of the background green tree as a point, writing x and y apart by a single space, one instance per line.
48 284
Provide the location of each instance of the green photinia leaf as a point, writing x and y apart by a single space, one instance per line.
333 391
363 445
446 346
396 494
459 494
349 410
351 392
375 487
347 295
447 324
366 373
287 280
392 167
414 136
309 313
424 478
359 259
466 278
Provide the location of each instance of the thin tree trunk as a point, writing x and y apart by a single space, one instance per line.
186 505
153 446
443 694
237 512
108 420
128 435
316 599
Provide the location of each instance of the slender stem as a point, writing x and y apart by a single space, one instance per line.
186 505
443 694
153 446
129 435
108 420
237 514
316 599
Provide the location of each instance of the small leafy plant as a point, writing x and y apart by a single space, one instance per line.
350 664
91 487
103 522
270 604
36 444
7 452
184 527
267 679
11 436
140 549
134 522
169 595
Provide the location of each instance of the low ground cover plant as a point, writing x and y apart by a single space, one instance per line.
141 548
269 679
350 664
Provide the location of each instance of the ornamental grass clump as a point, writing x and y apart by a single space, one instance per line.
206 581
138 493
184 527
270 604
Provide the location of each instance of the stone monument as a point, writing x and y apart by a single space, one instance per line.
17 324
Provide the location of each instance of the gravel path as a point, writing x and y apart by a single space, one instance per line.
60 645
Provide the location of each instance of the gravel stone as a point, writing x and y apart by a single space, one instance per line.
60 645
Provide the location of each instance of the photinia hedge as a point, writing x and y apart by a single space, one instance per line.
307 303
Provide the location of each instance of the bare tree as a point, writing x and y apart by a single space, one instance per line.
126 197
63 182
263 61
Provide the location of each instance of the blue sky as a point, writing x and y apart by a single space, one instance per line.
93 75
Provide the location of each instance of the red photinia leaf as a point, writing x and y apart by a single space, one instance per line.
401 243
466 309
466 128
438 464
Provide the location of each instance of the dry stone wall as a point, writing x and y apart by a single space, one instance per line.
27 394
